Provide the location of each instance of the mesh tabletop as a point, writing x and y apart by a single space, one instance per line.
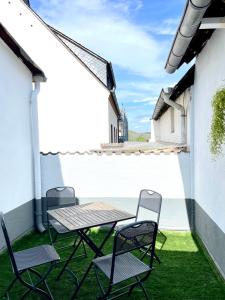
88 215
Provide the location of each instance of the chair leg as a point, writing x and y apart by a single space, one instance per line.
44 281
98 281
144 290
34 287
84 249
157 258
6 294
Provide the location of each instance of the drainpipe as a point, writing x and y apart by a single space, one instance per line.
193 14
36 153
166 98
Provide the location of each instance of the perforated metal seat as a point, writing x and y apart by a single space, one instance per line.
122 264
59 228
126 266
36 256
26 261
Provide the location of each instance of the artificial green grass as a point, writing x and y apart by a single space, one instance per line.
185 273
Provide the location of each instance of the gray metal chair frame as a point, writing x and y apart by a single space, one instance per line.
59 197
25 261
151 201
122 265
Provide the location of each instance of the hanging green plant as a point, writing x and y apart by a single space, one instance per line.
217 135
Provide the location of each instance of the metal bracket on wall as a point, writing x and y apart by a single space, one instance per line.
213 23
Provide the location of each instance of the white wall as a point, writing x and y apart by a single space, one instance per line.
162 126
16 176
209 175
118 179
118 175
73 105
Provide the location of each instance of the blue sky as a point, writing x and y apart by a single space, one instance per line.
135 35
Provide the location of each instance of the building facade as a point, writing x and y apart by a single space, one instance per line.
19 147
74 109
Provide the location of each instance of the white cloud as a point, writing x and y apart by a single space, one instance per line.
105 27
166 27
145 120
149 100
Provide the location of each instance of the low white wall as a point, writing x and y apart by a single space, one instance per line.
16 176
119 179
209 174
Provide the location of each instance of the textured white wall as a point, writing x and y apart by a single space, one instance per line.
16 176
118 179
118 175
73 104
209 184
162 126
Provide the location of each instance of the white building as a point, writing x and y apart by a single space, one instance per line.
123 127
77 107
19 151
170 121
201 35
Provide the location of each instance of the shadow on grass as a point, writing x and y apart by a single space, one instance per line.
185 272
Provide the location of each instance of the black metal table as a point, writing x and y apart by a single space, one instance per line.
80 218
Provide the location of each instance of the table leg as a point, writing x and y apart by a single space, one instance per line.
68 260
97 250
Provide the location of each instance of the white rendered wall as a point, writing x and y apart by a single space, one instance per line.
16 176
209 184
112 121
118 175
117 179
73 104
162 126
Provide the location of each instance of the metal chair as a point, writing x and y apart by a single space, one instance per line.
152 201
59 197
25 261
122 265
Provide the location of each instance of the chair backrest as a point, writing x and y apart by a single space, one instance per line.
8 244
150 200
134 236
60 197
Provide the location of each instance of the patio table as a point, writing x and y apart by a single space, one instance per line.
80 218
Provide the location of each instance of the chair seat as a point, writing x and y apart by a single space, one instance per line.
58 227
126 266
36 256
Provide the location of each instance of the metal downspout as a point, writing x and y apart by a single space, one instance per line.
166 98
36 154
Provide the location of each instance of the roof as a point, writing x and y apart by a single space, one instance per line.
20 53
27 2
186 81
109 152
100 67
199 39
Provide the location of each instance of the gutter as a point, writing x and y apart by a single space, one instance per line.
36 153
190 22
165 96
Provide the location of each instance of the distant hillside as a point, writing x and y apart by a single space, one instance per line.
138 136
